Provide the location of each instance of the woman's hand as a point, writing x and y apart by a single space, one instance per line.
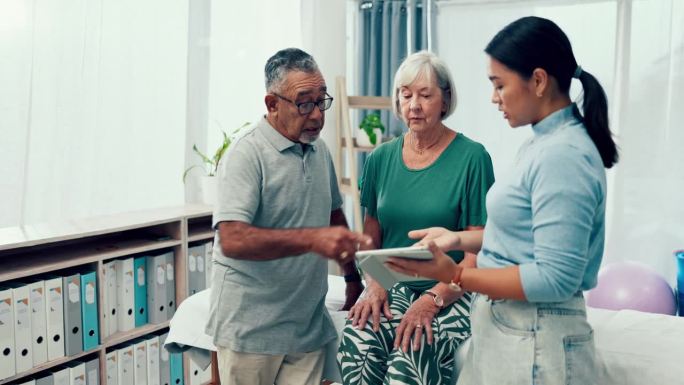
443 238
374 304
441 267
418 317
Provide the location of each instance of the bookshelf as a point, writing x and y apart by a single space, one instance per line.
348 149
87 244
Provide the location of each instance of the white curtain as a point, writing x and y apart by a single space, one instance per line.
648 191
92 107
646 212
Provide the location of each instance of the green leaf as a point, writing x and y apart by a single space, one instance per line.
213 162
371 122
205 159
185 174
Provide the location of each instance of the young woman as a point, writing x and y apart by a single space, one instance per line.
543 241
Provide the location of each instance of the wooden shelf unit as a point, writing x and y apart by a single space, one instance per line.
346 164
28 251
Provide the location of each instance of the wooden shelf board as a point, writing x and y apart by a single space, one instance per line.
63 257
48 365
370 102
194 236
357 148
200 211
345 186
43 233
122 337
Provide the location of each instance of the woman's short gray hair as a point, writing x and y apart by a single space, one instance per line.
284 61
425 63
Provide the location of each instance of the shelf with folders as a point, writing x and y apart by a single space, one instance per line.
63 287
143 360
348 148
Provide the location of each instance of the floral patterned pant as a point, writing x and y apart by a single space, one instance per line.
366 357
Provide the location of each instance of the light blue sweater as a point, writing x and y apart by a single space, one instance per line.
548 214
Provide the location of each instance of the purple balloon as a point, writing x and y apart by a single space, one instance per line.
632 285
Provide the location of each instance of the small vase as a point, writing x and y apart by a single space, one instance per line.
208 184
362 140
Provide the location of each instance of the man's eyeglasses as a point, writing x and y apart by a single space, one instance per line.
305 108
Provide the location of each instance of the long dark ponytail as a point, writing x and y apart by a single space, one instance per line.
534 42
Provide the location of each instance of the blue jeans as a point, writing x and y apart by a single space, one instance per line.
518 342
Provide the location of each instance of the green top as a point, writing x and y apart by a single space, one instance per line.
448 193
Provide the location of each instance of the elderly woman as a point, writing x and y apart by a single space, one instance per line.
431 176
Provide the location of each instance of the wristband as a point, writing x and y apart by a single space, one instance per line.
353 277
455 284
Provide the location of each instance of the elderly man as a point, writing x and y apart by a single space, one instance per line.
278 200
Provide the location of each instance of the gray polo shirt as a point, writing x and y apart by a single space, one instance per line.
276 306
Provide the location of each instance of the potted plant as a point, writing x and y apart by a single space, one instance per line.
210 166
373 128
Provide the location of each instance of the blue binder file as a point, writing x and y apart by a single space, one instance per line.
140 291
176 366
91 333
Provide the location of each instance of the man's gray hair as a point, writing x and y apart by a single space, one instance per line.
424 63
284 61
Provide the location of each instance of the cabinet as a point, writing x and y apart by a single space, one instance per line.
39 252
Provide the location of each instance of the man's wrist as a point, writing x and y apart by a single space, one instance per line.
352 277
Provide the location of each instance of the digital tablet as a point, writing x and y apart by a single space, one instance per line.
413 252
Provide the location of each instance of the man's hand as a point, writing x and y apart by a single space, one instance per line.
337 243
352 293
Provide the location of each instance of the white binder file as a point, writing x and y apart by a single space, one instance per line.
7 364
77 375
208 262
125 294
60 376
170 284
125 367
152 360
92 372
156 289
195 373
38 322
112 368
140 362
45 379
23 344
73 323
164 364
111 297
196 274
205 375
54 314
